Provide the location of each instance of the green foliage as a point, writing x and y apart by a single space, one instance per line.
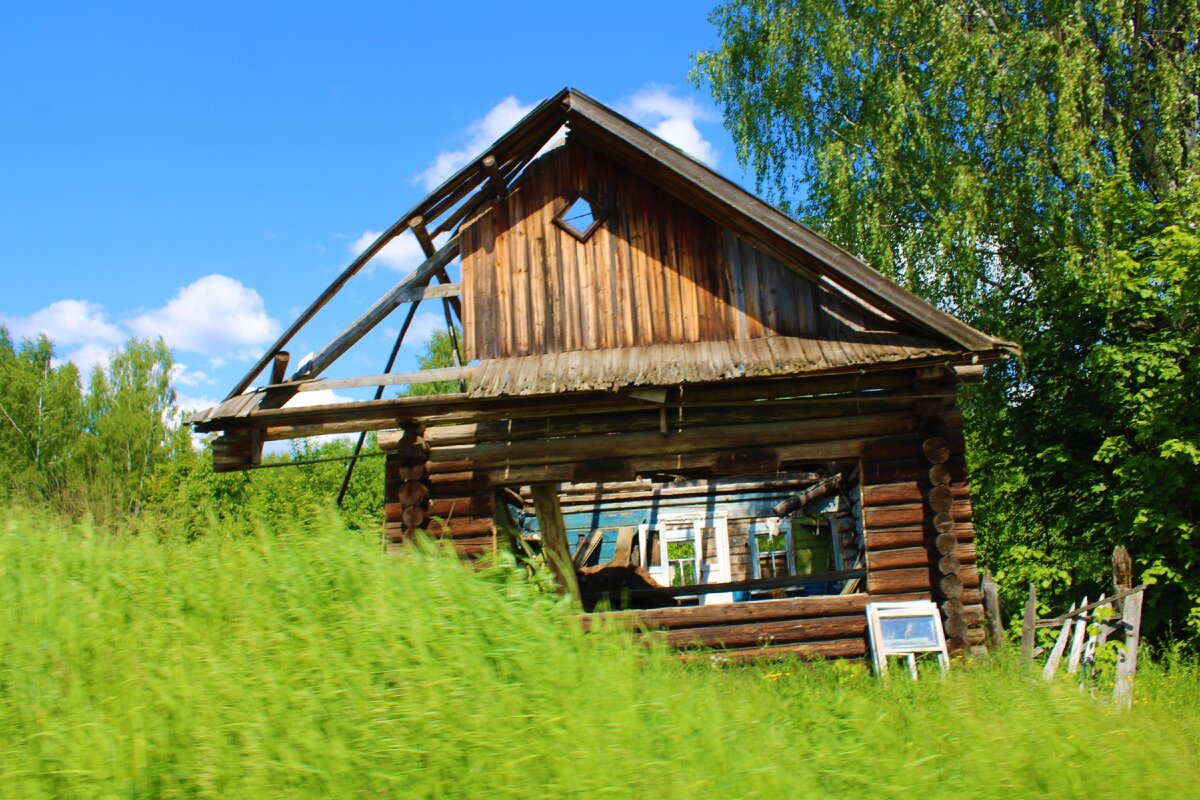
299 663
41 418
439 353
1030 167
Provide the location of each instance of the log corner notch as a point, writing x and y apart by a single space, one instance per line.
433 497
948 574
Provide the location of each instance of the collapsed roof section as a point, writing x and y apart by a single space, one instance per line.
875 323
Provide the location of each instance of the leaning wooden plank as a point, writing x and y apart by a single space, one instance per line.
624 547
554 537
1060 645
1127 658
376 313
1089 649
1077 642
349 272
585 550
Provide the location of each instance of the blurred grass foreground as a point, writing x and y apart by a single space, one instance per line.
302 663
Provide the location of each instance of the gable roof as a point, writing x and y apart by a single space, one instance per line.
489 176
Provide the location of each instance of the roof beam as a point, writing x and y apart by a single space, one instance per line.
376 313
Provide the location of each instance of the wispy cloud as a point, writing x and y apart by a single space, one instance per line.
673 117
401 254
478 135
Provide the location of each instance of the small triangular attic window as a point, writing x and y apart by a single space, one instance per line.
580 216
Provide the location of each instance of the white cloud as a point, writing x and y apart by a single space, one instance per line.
187 403
213 316
67 322
319 397
89 356
479 134
402 254
183 375
674 119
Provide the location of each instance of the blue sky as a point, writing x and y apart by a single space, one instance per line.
203 171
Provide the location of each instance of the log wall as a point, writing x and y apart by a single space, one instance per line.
915 513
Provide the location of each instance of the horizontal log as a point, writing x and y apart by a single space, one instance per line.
452 484
910 557
910 515
678 418
448 409
790 457
973 614
586 494
914 536
472 547
892 538
460 527
581 448
839 648
734 613
470 506
894 581
907 492
902 558
764 633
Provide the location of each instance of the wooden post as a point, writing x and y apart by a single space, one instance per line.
991 606
1029 628
554 537
1122 572
1127 658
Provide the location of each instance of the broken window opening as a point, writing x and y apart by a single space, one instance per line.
580 216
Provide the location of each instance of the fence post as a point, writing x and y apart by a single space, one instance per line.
1029 628
991 607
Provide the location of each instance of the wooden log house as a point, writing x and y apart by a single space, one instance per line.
695 407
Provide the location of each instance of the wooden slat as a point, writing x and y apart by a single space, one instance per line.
554 538
380 310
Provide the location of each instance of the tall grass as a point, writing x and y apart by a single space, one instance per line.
288 665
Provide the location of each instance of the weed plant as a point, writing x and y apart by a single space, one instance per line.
305 664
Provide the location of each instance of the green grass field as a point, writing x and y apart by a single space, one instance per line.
297 664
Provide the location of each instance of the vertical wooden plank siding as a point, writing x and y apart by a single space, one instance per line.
655 271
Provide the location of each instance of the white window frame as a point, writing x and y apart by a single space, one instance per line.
690 527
